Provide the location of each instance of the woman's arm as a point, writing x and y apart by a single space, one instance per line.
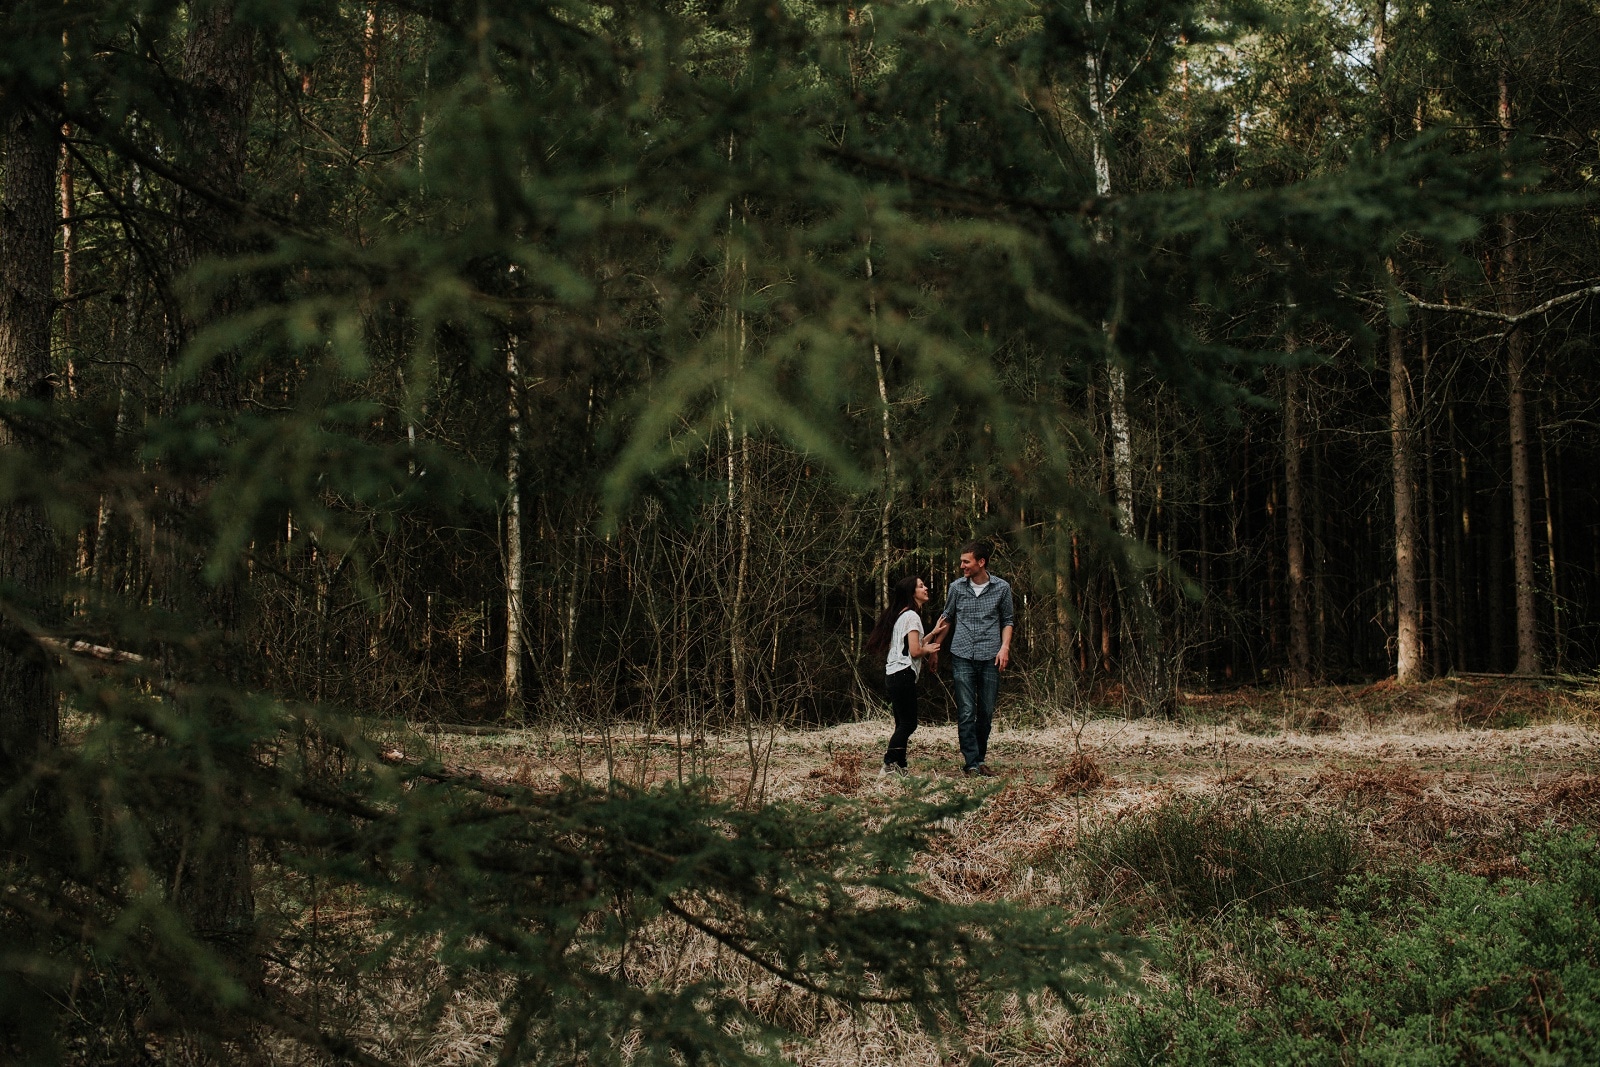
918 647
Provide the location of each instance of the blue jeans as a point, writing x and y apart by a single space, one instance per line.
977 688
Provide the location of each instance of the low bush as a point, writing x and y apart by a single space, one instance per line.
1438 968
1201 858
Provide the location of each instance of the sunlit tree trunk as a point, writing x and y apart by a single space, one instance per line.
739 516
371 39
514 593
888 440
1144 661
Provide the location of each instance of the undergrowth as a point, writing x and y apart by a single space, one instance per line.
1400 965
1201 857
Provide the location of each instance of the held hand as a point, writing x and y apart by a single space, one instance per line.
1003 660
930 648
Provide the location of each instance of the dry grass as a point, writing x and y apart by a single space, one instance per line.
1450 771
1081 774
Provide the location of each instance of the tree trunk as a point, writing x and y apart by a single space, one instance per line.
1408 604
212 881
1319 567
1517 424
29 723
1458 546
369 65
1144 661
1065 624
739 514
1521 506
1295 533
888 441
514 593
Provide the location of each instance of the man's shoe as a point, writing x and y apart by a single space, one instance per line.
983 771
894 769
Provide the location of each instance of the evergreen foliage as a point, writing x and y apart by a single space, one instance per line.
563 898
1434 967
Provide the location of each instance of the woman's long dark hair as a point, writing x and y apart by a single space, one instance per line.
902 595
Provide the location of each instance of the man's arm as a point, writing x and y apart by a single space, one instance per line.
947 617
1007 627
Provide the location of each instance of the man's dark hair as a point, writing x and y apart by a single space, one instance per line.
980 550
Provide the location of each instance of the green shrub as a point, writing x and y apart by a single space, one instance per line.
1201 858
1466 971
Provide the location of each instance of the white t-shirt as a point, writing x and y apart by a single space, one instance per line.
977 590
898 660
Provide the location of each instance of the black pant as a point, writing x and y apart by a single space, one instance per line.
903 699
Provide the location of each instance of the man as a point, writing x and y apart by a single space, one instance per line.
978 611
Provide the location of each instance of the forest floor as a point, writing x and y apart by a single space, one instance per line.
1452 760
1463 777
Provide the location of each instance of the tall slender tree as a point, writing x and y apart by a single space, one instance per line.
212 877
29 721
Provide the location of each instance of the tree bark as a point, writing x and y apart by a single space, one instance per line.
1521 506
1295 532
371 39
1408 602
888 440
29 722
1517 422
514 593
1144 662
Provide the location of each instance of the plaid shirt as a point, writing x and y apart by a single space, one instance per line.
976 621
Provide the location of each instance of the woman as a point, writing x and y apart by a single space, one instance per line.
898 639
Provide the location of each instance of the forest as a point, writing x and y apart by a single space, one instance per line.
379 371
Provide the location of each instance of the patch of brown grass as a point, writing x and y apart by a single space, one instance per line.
1575 793
1016 805
1080 775
1374 787
842 774
1407 805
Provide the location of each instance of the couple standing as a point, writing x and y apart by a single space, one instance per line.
978 615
